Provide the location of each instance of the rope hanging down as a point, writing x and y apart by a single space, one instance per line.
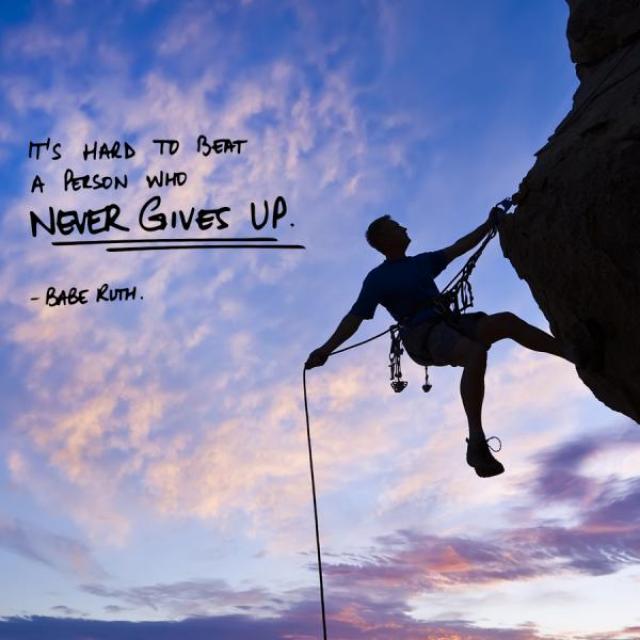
313 480
456 297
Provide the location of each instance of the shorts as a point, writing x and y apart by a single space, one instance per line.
432 342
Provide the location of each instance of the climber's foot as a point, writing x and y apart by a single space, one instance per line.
479 457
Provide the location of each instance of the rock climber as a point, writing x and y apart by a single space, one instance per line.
405 286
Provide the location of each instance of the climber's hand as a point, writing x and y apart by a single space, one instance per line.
496 216
316 358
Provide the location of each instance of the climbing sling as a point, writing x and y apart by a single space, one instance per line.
455 299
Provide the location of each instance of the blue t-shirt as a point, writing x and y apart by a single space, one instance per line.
403 286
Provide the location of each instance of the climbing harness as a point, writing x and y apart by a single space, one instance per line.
455 298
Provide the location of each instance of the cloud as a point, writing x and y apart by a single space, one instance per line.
189 405
123 373
407 564
55 551
599 536
67 612
298 623
563 475
238 466
191 598
628 633
40 41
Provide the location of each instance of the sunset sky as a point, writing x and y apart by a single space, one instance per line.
154 477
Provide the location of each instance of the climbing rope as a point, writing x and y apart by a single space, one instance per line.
313 479
457 296
315 503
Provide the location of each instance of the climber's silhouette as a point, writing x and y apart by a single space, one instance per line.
404 286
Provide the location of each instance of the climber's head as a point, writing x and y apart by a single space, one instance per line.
388 237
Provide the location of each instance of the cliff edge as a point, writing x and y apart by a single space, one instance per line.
575 235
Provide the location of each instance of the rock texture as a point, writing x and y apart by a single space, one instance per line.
575 235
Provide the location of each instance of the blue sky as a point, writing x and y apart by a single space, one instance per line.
154 478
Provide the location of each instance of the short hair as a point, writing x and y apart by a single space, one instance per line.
374 231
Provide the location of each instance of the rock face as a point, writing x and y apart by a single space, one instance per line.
575 235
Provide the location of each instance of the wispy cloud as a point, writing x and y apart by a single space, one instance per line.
192 598
598 538
57 552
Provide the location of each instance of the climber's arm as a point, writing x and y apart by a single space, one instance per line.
469 241
347 327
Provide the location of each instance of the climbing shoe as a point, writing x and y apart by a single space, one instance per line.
479 457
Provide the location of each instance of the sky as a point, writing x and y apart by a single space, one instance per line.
154 478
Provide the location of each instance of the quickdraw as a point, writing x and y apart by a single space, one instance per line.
396 350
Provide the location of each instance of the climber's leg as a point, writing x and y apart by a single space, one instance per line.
498 326
448 346
472 356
